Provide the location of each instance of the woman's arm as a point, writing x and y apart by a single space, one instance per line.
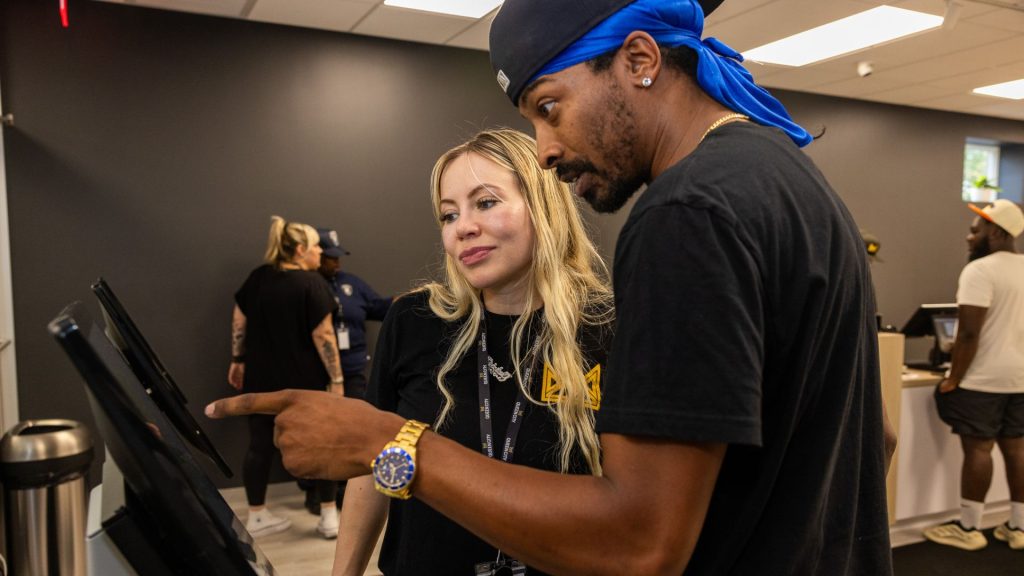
363 513
236 372
327 346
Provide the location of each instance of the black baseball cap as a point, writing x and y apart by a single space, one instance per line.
527 34
329 242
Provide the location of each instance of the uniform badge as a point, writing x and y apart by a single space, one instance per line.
347 289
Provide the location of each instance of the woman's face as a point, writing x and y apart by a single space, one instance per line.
485 225
308 257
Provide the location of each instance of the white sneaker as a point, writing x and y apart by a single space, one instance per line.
263 523
328 525
1012 536
954 534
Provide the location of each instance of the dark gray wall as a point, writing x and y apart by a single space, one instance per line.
1011 172
152 147
900 170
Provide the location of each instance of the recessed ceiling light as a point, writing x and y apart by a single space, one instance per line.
467 8
1013 90
869 28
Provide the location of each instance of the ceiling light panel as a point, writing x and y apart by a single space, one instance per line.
1013 90
465 8
870 28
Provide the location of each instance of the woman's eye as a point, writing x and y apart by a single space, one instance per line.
485 203
448 217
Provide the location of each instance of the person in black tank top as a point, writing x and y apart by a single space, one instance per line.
283 337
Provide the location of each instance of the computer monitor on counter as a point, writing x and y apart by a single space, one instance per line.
937 321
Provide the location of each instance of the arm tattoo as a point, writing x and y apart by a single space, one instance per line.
329 354
327 346
238 335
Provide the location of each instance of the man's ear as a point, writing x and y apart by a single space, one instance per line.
642 57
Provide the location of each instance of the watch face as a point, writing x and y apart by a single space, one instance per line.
393 469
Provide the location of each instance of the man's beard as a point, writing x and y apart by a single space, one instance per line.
617 138
980 250
608 198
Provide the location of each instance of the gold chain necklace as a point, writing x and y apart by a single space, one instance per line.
723 120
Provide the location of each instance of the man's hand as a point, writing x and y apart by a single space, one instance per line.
320 435
948 385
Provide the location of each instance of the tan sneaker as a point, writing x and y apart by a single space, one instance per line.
954 534
1012 536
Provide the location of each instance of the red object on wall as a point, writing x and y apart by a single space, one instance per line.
64 13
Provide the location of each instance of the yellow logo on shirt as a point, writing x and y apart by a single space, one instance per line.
551 390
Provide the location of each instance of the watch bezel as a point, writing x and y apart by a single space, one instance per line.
407 461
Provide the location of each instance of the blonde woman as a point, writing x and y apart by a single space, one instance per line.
282 337
525 302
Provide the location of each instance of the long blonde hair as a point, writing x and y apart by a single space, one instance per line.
567 274
285 238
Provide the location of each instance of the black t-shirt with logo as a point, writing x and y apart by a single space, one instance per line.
282 307
745 317
411 347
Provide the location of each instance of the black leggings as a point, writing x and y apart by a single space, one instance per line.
256 469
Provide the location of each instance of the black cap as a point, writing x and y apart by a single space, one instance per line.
527 34
329 242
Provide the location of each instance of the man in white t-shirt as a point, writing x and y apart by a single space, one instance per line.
982 395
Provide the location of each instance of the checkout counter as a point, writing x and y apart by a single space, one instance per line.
923 486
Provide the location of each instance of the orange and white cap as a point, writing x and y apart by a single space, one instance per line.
1003 213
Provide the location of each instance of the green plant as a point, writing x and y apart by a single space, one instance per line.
982 183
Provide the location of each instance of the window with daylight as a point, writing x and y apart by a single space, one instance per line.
981 172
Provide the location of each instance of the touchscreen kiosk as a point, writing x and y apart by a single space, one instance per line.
126 337
174 521
937 321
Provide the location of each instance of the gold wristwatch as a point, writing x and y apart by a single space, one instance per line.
395 467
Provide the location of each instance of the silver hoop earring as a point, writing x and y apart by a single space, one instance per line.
646 82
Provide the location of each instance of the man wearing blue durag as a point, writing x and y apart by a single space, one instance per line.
741 421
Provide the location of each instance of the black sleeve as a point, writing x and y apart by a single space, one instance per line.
320 302
244 294
686 361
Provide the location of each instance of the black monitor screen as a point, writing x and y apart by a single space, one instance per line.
148 369
178 509
921 323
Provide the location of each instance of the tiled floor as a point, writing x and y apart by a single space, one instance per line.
300 550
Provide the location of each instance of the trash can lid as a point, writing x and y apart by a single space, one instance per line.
38 440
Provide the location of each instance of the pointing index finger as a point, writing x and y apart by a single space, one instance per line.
251 403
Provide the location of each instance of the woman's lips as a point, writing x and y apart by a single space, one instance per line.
474 255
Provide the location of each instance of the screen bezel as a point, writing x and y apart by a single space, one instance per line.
185 516
125 335
920 323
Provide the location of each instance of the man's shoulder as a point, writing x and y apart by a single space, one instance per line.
996 265
739 164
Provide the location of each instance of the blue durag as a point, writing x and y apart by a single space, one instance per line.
681 23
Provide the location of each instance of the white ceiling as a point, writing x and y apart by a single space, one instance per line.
936 69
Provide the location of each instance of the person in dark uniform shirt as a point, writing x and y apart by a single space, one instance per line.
357 303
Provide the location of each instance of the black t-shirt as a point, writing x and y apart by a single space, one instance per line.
282 307
412 345
746 318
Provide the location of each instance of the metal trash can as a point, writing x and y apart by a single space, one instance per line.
43 465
